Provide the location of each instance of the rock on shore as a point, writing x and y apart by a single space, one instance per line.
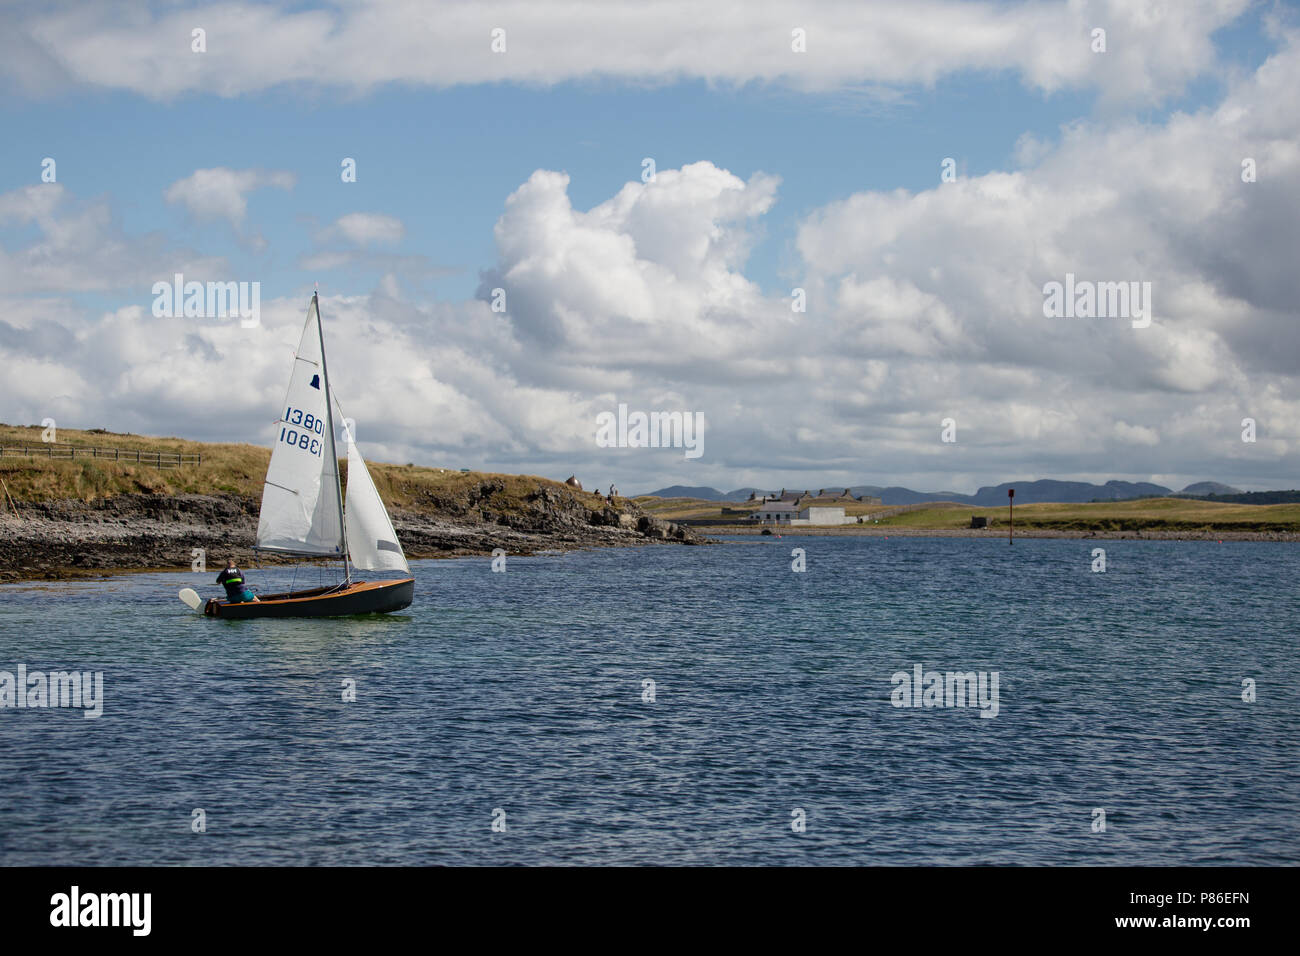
58 539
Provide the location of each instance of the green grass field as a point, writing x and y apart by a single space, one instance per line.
1152 514
226 469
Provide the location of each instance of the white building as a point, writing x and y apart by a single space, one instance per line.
823 516
785 512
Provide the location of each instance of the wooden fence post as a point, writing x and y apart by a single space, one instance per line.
158 458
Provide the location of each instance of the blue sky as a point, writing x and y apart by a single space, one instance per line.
440 153
443 160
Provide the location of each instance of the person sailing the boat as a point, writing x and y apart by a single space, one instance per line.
233 581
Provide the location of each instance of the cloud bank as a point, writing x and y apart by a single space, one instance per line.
920 306
1153 49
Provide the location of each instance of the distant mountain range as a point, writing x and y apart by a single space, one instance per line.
1027 492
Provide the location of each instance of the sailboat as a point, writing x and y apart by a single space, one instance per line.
303 510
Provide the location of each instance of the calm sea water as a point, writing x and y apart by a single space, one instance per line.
523 692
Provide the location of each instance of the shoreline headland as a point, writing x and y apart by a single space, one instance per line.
97 502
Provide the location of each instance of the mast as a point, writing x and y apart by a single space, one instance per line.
329 414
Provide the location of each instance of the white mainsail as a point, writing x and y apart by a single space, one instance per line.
372 542
301 503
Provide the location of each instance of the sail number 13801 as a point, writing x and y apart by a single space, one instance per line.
310 425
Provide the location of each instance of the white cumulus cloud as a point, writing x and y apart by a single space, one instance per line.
221 193
365 228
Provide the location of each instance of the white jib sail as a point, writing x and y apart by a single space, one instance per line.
372 541
300 501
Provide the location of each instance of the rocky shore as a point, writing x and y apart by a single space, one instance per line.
62 539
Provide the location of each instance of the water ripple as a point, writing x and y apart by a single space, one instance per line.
522 692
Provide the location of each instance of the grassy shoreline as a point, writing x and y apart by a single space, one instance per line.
91 514
87 516
1173 517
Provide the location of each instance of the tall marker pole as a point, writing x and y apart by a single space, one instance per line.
1011 515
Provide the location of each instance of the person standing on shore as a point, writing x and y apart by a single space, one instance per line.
233 581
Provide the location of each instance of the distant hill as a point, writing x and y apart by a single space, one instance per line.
1027 492
1210 488
895 495
684 491
1047 489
